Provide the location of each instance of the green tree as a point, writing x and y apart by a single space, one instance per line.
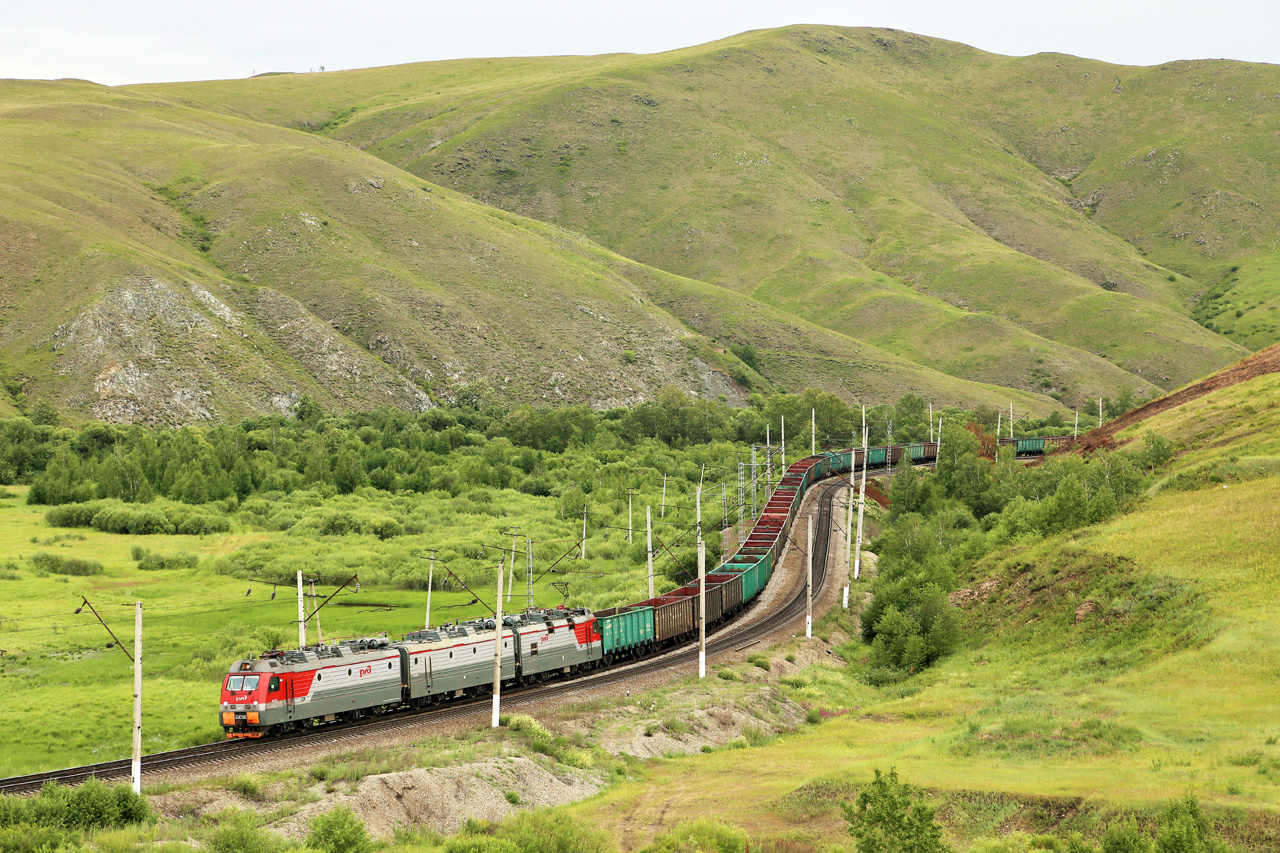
42 413
1070 506
308 411
348 472
1156 450
888 817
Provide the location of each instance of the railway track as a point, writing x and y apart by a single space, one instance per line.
733 636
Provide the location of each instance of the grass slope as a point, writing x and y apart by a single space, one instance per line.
906 191
1113 668
176 264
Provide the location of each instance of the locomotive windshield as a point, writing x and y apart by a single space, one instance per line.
237 683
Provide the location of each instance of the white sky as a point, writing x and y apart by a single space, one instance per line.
138 41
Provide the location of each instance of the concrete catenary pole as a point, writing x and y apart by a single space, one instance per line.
702 593
784 444
808 586
497 654
511 571
315 611
862 502
813 432
302 616
648 523
768 464
431 581
136 771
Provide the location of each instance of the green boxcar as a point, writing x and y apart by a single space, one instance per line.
875 455
1030 445
624 628
917 452
752 575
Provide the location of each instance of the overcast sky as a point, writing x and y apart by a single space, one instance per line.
137 41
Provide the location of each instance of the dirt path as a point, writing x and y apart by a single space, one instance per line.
1258 364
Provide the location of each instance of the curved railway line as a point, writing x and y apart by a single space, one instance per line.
734 636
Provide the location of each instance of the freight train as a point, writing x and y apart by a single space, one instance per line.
289 690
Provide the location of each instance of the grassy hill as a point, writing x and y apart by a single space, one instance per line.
167 263
209 267
950 219
996 218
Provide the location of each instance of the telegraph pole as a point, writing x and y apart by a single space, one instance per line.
137 697
930 420
583 554
662 510
1076 433
497 653
813 432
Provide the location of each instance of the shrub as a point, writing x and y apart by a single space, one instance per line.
91 805
760 661
238 832
339 831
247 786
199 525
703 835
141 522
151 562
889 816
46 563
72 515
25 838
479 844
552 832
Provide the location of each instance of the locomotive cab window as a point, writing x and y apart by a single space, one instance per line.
235 683
251 682
274 684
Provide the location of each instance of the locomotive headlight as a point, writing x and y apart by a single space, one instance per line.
251 718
